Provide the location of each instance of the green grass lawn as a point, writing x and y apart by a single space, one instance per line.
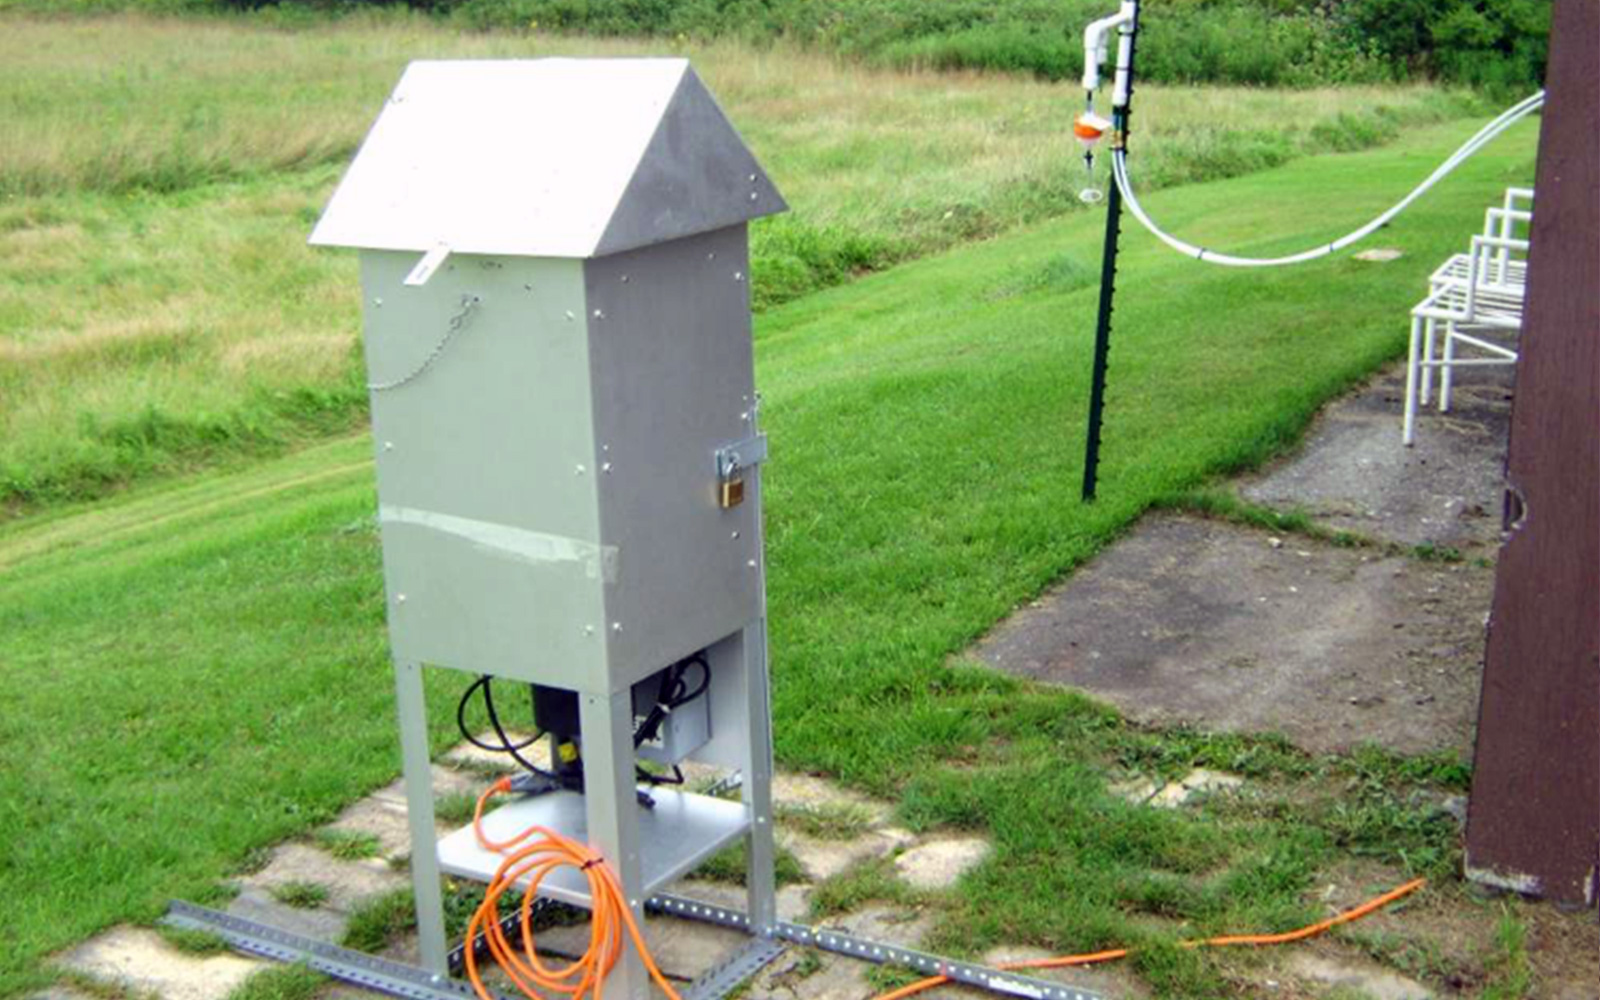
158 178
197 668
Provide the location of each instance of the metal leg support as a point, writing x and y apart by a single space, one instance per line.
1409 433
419 812
757 769
613 817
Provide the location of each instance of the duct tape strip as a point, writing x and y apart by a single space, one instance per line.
845 943
535 548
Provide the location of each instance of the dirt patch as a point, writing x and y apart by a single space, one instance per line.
1200 622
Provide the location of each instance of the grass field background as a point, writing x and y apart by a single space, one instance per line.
160 312
207 655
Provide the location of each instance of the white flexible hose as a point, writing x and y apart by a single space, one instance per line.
1484 136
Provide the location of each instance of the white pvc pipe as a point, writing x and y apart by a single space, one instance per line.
1484 136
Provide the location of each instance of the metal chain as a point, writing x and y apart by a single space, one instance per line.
457 323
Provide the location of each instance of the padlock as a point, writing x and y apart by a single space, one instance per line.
732 493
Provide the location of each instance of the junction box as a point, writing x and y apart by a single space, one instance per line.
554 264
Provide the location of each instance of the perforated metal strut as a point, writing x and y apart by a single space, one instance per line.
401 980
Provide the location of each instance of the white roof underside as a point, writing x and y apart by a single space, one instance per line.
546 158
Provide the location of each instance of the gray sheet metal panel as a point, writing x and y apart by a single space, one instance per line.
696 175
673 379
486 479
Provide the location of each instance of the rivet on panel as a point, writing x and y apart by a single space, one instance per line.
735 535
570 315
751 564
616 626
599 315
752 178
605 467
624 279
378 301
588 630
738 276
399 598
388 446
754 196
712 255
580 470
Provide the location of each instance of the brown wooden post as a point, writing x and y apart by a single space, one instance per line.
1534 818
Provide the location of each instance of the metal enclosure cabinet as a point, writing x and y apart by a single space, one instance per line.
565 420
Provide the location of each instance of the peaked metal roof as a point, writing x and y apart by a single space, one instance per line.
546 158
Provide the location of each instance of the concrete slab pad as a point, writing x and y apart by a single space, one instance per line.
347 882
1194 621
808 791
141 960
939 864
256 903
1355 474
1359 976
823 859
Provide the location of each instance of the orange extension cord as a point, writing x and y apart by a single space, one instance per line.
534 860
1217 942
611 916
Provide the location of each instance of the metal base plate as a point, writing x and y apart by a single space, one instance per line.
681 830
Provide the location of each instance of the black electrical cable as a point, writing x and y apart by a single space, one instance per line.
506 744
466 732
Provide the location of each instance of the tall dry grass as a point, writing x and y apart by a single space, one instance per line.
158 177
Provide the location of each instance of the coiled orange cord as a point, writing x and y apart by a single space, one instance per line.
1321 927
534 859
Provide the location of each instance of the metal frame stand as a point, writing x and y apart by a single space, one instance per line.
607 723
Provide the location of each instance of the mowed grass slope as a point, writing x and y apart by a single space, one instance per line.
159 311
194 670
